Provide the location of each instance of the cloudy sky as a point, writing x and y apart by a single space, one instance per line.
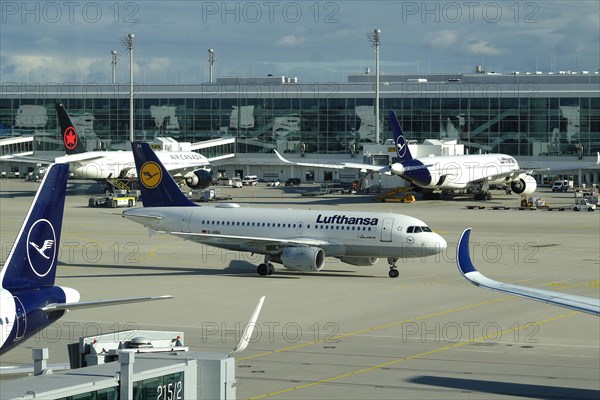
70 41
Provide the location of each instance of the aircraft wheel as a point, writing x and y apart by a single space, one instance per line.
271 269
393 273
263 269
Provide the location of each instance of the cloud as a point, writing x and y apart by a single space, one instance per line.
290 41
482 48
441 39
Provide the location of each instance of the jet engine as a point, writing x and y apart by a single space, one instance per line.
397 169
199 179
524 184
303 258
359 261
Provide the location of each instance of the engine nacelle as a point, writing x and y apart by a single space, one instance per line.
303 258
199 179
524 184
397 169
359 261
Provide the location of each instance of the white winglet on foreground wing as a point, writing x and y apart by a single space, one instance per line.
245 339
588 305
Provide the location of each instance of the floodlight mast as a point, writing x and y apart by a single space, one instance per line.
375 39
128 42
114 66
211 64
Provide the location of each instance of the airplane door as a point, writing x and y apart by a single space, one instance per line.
386 229
20 320
299 227
185 222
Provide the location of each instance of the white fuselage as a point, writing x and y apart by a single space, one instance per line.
462 172
112 164
257 230
8 313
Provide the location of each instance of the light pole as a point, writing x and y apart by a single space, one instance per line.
114 66
128 42
374 38
211 63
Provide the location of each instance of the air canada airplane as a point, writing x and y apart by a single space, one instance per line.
300 240
474 171
588 305
99 165
29 300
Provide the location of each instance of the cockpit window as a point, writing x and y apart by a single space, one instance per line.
417 229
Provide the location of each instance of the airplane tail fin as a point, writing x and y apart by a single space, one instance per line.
32 260
71 139
158 187
401 146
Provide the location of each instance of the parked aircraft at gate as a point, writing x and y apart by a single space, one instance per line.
298 239
474 171
99 165
588 305
29 300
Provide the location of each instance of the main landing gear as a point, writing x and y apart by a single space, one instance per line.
393 271
266 268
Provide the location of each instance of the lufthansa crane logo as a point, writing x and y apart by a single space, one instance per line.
70 138
150 174
41 247
401 146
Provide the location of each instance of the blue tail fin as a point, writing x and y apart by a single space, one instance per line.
33 258
401 146
157 186
71 140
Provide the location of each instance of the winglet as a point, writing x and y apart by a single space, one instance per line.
463 259
33 258
157 186
281 158
71 139
245 339
401 146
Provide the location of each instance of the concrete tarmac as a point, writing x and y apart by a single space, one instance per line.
346 332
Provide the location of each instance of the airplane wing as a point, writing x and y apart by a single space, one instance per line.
588 305
100 303
252 244
26 159
245 339
361 167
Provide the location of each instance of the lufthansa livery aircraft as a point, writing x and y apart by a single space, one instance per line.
300 240
475 171
588 305
29 300
98 165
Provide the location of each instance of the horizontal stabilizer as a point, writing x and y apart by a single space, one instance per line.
100 303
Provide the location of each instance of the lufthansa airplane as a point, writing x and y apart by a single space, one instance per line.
474 171
588 305
29 300
300 240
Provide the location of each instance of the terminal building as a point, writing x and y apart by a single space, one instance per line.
540 118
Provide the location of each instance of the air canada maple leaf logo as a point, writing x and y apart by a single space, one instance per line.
70 138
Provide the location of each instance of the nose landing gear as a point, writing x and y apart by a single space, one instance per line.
393 269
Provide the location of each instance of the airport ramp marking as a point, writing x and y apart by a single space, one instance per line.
414 356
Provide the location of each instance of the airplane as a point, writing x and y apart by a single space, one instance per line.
588 305
99 165
29 299
474 171
300 240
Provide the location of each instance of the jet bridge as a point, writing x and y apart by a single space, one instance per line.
130 365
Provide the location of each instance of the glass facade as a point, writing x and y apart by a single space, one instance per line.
533 115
